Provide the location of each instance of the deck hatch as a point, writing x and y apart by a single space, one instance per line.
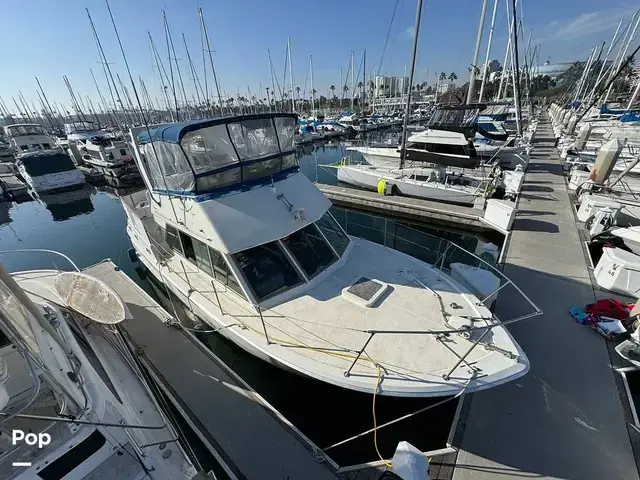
364 291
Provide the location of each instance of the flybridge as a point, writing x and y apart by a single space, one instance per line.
217 155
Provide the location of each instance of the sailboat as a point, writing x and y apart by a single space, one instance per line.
237 233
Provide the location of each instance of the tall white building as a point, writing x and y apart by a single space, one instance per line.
390 86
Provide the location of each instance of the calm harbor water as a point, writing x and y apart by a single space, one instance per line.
89 226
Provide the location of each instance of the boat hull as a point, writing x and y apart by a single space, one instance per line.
370 179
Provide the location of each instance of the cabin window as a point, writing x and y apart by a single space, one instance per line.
187 246
46 146
123 152
335 235
35 146
222 273
171 236
310 250
201 254
24 147
267 270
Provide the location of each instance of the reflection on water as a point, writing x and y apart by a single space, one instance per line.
66 205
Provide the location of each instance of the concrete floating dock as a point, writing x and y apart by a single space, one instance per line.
565 418
413 209
13 187
249 439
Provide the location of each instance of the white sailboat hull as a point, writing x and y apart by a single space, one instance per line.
369 178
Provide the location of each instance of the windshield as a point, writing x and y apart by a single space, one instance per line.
310 250
333 233
45 164
19 130
267 270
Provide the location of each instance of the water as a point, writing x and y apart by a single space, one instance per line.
89 226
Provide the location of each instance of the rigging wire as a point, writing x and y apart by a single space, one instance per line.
395 8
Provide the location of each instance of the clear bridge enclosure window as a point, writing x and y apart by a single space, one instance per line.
168 167
254 138
209 149
286 127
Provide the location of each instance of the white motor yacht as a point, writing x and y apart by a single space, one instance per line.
49 171
104 154
66 372
26 137
246 242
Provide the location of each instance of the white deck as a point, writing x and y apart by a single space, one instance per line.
319 332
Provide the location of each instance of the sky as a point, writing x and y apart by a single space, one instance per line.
50 39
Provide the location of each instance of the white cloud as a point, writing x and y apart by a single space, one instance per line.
408 32
585 24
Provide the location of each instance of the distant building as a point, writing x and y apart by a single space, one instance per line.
390 86
445 87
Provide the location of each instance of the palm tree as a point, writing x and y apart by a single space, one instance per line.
452 76
442 77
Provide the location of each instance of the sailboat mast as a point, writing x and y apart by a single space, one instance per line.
472 77
353 83
175 59
273 85
293 103
624 50
416 33
107 70
364 79
506 56
161 69
313 92
604 62
46 100
516 74
172 80
213 68
196 80
486 58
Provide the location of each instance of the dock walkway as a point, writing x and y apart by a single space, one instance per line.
239 428
564 419
414 209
